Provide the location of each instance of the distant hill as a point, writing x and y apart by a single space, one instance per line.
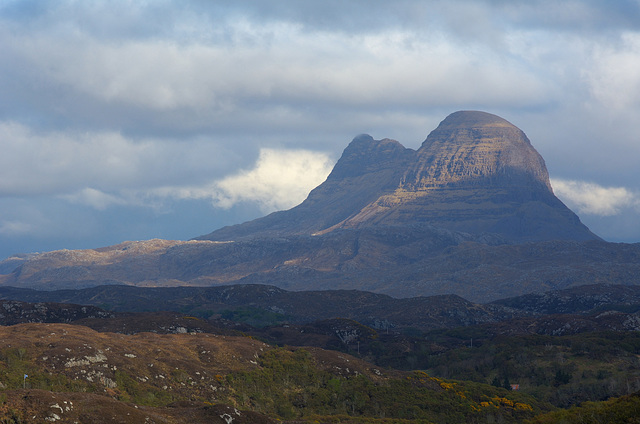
375 310
577 300
587 308
470 213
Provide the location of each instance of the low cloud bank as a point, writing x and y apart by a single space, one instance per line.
594 199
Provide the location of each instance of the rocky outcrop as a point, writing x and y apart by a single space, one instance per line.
15 312
477 149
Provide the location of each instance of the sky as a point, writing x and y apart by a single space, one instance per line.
131 120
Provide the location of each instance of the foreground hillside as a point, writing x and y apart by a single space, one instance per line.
42 406
70 368
168 367
625 409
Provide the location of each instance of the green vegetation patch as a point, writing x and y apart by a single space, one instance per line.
562 370
16 363
254 317
290 385
623 410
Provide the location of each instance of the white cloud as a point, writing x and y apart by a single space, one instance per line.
594 199
36 163
102 170
279 180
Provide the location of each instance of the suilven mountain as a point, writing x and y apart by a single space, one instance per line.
471 212
476 173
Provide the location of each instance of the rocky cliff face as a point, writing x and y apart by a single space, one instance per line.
473 149
476 173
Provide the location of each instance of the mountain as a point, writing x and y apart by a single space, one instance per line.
470 213
475 173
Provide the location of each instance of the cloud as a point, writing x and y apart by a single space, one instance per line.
94 198
18 218
613 78
594 199
44 163
13 228
280 179
254 65
63 163
243 68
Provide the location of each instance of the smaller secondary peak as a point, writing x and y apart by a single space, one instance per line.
367 143
362 138
364 155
